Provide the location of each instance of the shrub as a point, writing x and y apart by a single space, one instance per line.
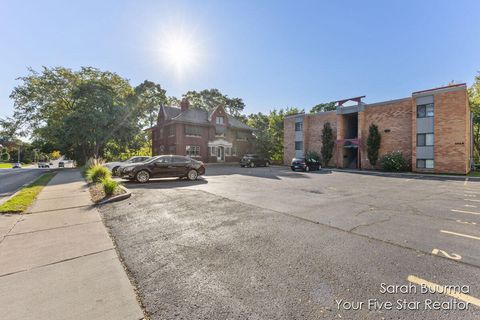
97 173
394 161
328 143
92 162
109 186
312 155
373 144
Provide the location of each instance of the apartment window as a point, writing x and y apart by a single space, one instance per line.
219 120
425 110
171 131
192 151
298 126
298 145
425 163
193 130
424 139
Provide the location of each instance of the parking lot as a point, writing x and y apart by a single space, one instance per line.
268 243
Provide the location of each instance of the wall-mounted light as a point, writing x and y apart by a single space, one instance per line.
386 130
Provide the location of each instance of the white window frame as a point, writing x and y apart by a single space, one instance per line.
219 120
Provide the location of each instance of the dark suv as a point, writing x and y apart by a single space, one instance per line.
163 167
305 164
253 160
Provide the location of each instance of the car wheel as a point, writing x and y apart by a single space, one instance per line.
115 170
267 164
192 175
252 165
307 168
142 176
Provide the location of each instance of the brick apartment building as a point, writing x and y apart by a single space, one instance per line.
432 129
207 136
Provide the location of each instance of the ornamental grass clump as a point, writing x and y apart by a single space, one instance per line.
97 173
109 186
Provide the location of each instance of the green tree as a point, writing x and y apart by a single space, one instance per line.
474 99
269 132
78 112
322 107
5 156
212 98
328 143
373 144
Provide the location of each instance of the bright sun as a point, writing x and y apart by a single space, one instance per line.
179 51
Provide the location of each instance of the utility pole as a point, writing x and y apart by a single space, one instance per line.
18 153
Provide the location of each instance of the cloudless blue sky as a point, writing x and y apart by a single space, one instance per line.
270 53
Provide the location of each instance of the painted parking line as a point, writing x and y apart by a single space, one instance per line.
470 206
466 181
433 287
464 211
465 222
473 200
460 234
475 192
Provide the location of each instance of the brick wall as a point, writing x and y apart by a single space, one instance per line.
452 132
395 116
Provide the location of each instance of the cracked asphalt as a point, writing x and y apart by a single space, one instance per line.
268 243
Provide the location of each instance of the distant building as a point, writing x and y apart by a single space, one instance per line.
432 129
213 136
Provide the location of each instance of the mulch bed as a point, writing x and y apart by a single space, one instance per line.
97 194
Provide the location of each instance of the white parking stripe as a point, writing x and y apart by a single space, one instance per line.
463 211
460 234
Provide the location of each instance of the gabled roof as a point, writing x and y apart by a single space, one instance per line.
199 116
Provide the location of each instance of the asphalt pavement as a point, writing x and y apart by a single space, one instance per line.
268 243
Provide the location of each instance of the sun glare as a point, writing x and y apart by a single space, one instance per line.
179 51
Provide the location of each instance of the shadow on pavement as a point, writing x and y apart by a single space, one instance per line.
164 183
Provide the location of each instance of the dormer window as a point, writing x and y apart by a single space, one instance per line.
219 120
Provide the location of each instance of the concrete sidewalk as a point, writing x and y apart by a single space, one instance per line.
58 262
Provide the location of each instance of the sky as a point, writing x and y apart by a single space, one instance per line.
272 54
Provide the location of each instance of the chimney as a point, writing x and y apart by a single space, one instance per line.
184 104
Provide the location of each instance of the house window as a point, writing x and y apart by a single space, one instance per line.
192 151
219 120
193 130
425 110
298 126
213 151
425 139
171 131
298 145
242 135
227 151
425 163
234 151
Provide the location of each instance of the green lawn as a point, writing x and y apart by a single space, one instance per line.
24 198
5 165
474 174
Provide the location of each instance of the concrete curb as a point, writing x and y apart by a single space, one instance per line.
406 174
120 197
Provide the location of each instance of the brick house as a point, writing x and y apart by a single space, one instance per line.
207 136
432 128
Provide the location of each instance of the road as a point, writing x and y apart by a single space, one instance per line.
268 243
12 179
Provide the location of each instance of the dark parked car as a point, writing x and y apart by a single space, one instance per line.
253 160
162 167
305 164
61 164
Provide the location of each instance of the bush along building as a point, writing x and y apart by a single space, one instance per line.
209 136
431 128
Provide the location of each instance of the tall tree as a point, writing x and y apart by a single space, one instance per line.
78 112
373 144
322 107
150 96
269 131
210 99
474 99
328 143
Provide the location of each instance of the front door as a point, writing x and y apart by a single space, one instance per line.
220 154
